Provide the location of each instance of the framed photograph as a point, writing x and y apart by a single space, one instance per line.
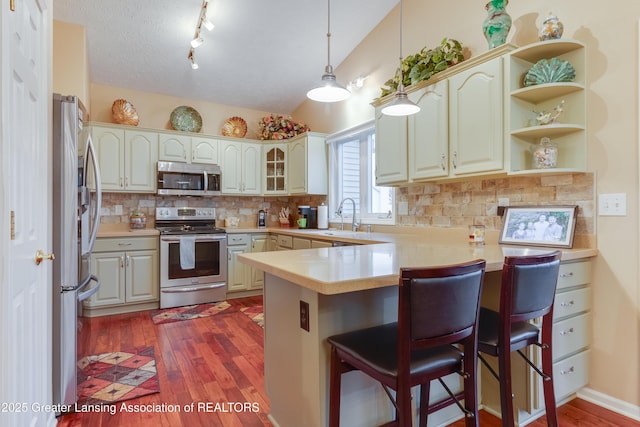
539 226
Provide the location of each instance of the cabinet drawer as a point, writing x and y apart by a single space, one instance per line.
574 274
125 244
571 374
285 241
571 335
570 303
238 239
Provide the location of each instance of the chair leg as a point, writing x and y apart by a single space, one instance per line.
506 394
547 368
335 379
403 400
471 388
424 403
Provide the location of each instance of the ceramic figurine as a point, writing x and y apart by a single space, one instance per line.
551 28
549 117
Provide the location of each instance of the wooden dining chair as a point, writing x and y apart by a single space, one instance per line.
527 291
435 336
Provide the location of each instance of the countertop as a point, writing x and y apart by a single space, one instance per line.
122 230
376 261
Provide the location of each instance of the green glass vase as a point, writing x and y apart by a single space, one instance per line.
497 24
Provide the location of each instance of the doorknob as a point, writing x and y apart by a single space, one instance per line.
41 256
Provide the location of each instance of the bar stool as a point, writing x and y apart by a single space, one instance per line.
437 309
527 291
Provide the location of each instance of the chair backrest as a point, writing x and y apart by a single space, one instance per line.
439 305
529 285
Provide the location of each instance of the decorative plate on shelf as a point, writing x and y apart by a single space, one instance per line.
553 70
124 113
186 119
235 126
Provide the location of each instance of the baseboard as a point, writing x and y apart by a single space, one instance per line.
613 404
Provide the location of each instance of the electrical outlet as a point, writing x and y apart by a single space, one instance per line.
304 315
503 201
612 204
117 209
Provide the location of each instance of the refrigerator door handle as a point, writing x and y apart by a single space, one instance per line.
86 294
90 150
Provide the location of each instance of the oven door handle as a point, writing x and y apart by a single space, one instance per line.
179 289
198 239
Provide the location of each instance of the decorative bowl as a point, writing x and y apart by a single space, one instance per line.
235 126
550 71
186 119
124 113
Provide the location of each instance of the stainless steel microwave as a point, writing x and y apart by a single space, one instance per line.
184 179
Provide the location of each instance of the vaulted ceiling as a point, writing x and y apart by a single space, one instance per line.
262 55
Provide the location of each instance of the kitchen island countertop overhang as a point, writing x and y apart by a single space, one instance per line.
343 269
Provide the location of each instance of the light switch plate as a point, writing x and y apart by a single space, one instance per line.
614 204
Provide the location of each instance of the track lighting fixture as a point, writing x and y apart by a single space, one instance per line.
203 21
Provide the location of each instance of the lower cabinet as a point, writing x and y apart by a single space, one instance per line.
571 335
128 273
241 277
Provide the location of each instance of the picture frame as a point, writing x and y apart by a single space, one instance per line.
551 226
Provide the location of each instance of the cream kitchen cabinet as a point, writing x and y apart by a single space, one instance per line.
274 160
476 125
241 277
187 149
307 163
391 149
571 338
569 130
459 130
127 158
428 133
241 165
128 273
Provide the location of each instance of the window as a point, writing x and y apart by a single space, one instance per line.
352 175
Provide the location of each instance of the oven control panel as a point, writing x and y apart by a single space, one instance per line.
177 213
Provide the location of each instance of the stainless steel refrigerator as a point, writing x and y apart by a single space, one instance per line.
76 216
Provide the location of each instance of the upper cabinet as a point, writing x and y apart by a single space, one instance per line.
428 133
274 161
240 163
308 168
525 103
187 149
127 158
477 119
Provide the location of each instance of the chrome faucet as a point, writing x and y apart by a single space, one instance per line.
354 224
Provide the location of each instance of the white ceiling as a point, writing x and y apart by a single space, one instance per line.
262 55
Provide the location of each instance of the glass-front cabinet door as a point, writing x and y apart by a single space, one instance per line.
275 172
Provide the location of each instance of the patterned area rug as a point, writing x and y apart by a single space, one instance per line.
255 313
177 314
113 377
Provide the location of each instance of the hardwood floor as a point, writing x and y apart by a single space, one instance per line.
218 360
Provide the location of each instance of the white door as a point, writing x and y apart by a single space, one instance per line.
25 176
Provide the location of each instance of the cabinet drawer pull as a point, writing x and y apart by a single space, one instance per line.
124 244
570 331
566 304
567 371
569 274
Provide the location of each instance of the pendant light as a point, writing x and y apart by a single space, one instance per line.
401 105
329 89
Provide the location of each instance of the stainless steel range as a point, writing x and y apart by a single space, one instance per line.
193 256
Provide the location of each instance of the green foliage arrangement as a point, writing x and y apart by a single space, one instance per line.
424 64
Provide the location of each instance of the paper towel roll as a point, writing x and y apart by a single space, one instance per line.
323 217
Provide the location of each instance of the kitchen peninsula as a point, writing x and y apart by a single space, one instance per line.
311 294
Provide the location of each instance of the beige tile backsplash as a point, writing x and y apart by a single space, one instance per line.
453 204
